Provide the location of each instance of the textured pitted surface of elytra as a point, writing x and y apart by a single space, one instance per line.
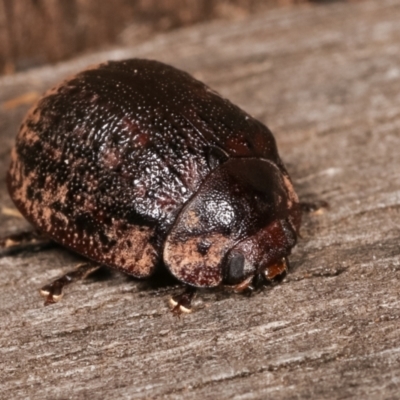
105 161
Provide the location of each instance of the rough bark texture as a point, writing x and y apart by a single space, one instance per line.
326 80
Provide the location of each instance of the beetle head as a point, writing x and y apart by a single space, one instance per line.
244 215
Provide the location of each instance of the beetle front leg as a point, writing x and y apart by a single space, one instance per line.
277 270
53 291
268 275
317 207
182 303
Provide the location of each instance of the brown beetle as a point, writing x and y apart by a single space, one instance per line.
135 164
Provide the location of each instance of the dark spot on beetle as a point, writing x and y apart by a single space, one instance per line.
29 152
122 226
119 169
29 192
62 207
105 241
203 247
132 217
57 206
38 196
40 179
107 220
85 223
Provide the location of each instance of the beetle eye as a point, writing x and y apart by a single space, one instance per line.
235 268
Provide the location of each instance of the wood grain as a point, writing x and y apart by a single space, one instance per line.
326 80
36 32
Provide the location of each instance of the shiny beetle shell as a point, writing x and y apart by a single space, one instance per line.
135 164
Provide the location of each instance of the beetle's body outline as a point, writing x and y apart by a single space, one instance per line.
122 162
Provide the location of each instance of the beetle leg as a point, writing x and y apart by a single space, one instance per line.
23 241
316 207
277 270
182 303
245 287
53 291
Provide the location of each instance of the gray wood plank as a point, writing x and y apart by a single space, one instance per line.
326 80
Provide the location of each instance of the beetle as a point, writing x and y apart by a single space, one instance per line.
136 165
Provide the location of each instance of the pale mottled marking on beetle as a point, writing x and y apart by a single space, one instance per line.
204 266
192 219
63 229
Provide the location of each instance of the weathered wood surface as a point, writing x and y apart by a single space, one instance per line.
327 82
36 32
